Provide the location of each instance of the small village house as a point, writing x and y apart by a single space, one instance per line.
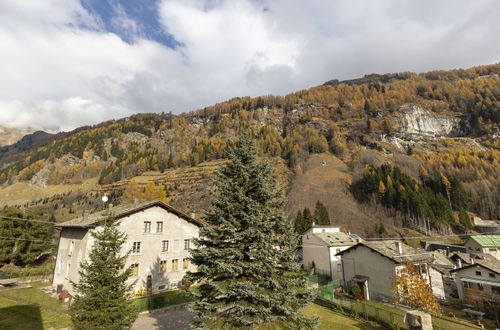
319 248
479 284
158 237
373 265
484 244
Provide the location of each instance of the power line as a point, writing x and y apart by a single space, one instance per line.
426 237
23 239
23 219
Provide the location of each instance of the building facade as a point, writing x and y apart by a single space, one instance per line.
478 284
319 248
373 265
158 238
489 244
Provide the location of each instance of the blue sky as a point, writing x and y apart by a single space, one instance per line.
144 15
77 63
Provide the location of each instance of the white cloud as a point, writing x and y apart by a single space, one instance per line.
59 69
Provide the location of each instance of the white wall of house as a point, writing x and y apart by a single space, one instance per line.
437 284
71 252
315 252
317 229
365 262
150 258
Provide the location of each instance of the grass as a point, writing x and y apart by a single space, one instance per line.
333 320
31 308
395 316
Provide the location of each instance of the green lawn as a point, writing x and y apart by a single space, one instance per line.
333 320
395 316
31 309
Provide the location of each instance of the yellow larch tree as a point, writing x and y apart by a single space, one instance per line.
411 289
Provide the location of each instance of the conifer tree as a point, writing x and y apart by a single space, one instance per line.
245 256
321 216
103 289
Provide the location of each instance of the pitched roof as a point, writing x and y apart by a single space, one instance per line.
487 240
388 249
336 238
494 266
120 211
468 257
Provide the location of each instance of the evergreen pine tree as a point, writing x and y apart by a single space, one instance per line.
103 289
321 216
299 224
307 218
245 257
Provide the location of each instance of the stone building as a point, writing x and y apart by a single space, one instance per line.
484 244
373 265
478 284
158 237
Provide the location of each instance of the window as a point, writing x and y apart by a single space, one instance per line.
120 269
71 247
159 226
161 287
135 270
492 275
478 249
470 248
187 242
493 250
466 285
67 271
164 246
480 287
175 265
339 267
478 273
147 226
163 266
185 263
422 269
136 247
495 289
59 267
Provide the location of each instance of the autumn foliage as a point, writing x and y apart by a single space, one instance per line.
411 289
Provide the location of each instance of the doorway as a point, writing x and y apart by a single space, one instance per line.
149 285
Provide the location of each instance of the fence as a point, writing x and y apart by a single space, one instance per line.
161 300
387 315
327 291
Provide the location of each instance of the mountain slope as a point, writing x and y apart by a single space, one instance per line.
444 121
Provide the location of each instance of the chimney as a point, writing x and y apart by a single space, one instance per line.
399 247
193 215
472 260
85 215
459 262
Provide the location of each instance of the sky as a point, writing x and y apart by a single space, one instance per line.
68 63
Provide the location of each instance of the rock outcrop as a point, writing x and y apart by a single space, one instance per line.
417 121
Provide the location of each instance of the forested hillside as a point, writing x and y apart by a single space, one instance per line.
403 149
